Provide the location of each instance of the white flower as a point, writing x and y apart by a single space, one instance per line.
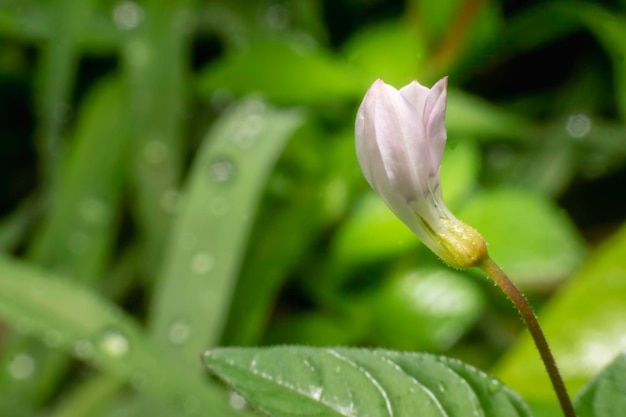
400 138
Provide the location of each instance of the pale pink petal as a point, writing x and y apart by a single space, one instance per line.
434 121
416 94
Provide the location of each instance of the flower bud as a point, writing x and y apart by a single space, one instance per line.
400 138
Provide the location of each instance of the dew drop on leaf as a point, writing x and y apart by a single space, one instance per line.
83 349
201 263
247 133
236 401
22 367
127 15
179 332
221 170
114 343
494 386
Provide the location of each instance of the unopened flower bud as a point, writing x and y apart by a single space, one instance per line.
400 138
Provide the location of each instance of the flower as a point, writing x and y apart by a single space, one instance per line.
400 138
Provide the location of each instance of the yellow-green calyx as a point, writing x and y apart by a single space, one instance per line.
464 246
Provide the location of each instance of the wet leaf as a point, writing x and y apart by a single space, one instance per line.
287 381
204 255
605 394
97 332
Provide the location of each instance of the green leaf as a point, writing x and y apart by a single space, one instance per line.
532 240
425 309
392 51
154 60
282 238
470 115
56 72
79 231
373 232
205 251
78 234
610 29
287 381
605 394
584 324
284 71
69 317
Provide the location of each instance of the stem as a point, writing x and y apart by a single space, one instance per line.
528 315
452 44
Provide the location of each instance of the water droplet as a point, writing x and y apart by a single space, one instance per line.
494 386
222 169
155 152
179 332
83 349
114 343
316 392
578 126
22 366
219 206
93 210
277 17
337 369
246 135
127 15
201 263
441 387
237 402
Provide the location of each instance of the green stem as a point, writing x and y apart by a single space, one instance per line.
528 315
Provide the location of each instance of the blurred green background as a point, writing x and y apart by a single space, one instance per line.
178 175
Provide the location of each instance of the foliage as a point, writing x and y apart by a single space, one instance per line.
180 175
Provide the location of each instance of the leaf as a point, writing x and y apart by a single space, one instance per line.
470 115
610 30
153 57
527 234
605 394
425 309
284 71
287 381
281 238
79 231
70 317
56 71
584 324
392 51
205 251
